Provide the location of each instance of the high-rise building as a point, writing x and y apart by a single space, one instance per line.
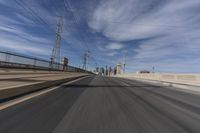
102 71
97 69
118 68
65 63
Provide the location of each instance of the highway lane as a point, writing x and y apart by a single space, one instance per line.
105 105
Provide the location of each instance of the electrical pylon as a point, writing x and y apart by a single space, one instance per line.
85 60
55 57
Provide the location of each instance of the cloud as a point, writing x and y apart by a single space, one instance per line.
22 48
164 33
114 46
15 36
18 32
172 25
111 54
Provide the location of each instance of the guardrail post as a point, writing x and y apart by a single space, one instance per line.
34 64
12 60
7 58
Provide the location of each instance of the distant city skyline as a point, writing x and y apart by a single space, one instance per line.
160 34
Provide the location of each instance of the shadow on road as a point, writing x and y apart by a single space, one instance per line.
93 86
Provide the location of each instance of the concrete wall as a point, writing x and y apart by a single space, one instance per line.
185 79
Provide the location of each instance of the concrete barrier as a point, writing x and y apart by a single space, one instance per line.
12 92
5 71
183 79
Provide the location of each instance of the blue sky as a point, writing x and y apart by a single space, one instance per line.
160 33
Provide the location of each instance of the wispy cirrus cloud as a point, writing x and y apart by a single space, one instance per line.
14 37
114 46
172 25
160 33
17 32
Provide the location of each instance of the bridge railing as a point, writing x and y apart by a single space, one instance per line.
13 60
172 78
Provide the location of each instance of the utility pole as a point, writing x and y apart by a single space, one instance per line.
153 69
124 63
55 57
85 60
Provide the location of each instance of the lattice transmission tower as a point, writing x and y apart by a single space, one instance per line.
55 57
85 60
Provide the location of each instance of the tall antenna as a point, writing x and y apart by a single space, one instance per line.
55 57
85 60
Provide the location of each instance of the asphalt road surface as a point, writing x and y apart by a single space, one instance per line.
105 105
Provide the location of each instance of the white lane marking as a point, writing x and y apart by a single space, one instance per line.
35 94
125 84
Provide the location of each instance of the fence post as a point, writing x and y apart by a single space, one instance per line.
34 64
7 58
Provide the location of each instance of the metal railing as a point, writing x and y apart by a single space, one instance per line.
12 60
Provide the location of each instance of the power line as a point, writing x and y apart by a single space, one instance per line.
40 20
37 18
64 27
67 6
